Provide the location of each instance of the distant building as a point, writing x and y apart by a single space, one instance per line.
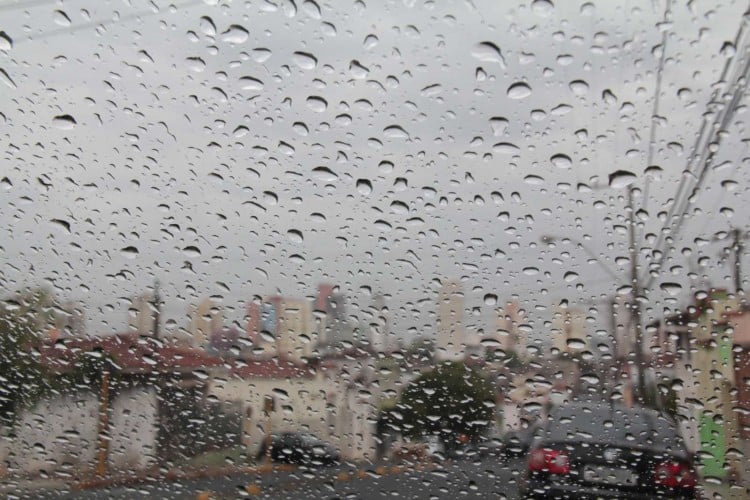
141 315
336 329
569 331
509 334
451 340
380 326
282 326
624 327
205 318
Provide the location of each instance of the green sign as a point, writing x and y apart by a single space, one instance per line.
713 444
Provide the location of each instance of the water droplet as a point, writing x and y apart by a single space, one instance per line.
304 60
672 289
261 55
561 161
561 109
395 132
579 87
312 9
576 344
235 34
64 122
191 251
129 252
61 18
519 90
431 90
370 42
324 174
250 83
295 236
286 148
488 52
196 64
530 271
383 225
570 276
385 167
542 8
7 79
533 180
399 207
609 97
240 131
490 299
728 49
207 26
317 104
364 186
63 224
357 70
621 178
6 42
505 148
499 124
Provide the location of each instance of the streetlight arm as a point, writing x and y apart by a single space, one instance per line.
612 274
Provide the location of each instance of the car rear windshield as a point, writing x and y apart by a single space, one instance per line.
610 424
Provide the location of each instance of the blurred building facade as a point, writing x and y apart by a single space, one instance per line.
451 336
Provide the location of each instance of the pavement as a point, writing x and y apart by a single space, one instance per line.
487 478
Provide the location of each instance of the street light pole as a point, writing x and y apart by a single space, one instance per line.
635 307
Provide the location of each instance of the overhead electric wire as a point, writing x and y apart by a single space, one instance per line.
655 108
685 194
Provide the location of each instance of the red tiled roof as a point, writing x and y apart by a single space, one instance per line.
270 368
130 352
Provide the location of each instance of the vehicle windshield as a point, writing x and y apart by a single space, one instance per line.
374 248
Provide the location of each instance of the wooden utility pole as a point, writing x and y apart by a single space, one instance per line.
268 407
635 306
738 248
103 452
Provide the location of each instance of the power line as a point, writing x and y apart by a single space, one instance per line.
685 196
655 109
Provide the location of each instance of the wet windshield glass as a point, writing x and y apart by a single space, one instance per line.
403 235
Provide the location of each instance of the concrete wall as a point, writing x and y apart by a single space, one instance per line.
133 430
300 404
60 434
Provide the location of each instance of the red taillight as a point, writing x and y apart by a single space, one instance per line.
674 475
549 460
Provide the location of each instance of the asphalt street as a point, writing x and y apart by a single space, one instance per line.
488 478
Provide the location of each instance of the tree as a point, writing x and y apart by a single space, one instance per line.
448 401
22 377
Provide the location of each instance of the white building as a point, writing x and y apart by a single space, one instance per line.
451 336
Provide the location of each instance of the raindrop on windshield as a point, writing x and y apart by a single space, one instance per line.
519 90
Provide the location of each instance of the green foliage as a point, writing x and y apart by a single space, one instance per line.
450 400
22 377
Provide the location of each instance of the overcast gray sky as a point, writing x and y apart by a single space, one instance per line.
245 148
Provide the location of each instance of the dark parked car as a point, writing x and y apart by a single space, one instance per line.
594 450
299 448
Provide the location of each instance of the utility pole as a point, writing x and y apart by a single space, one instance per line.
738 248
157 308
103 445
635 306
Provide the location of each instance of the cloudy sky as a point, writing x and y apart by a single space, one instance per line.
244 148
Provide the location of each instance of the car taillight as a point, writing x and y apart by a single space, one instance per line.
549 460
674 475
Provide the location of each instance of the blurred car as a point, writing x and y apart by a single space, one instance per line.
597 450
299 448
